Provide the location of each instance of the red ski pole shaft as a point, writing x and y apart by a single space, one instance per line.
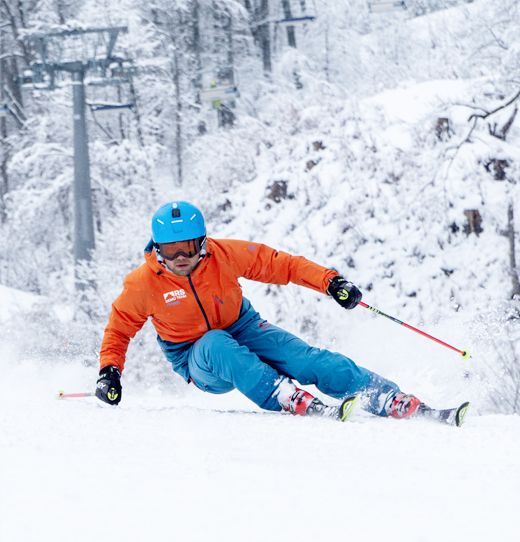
464 353
63 395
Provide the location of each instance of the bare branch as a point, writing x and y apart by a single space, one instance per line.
499 42
507 126
489 113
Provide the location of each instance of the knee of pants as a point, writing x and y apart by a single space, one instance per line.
215 339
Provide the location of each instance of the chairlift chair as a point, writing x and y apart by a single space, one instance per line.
3 110
386 6
221 87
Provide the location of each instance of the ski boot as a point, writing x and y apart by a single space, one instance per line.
302 403
401 405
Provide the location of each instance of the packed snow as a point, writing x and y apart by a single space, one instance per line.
173 463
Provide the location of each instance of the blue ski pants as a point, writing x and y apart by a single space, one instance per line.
251 355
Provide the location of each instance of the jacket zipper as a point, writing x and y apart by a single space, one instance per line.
199 303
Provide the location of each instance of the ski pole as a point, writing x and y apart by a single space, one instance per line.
63 395
464 353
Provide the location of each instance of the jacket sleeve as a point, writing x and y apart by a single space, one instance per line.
259 262
127 317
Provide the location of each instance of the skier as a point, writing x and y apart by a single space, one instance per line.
215 339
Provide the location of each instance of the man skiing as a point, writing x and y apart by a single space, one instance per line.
215 339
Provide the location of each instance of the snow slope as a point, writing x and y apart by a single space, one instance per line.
167 466
173 463
163 468
12 300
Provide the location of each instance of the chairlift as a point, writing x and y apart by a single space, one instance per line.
220 86
386 6
300 13
39 77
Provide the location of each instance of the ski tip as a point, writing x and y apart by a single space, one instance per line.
466 354
61 393
347 407
460 415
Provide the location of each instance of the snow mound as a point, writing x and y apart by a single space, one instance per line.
13 301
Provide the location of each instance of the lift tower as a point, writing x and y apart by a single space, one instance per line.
79 52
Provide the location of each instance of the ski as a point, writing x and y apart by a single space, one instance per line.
342 413
451 416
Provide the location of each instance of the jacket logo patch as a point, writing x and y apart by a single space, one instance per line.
174 295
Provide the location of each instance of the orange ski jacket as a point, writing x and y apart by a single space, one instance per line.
182 309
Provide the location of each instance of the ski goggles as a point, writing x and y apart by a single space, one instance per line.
188 249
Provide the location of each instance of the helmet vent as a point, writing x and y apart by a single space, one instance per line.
177 221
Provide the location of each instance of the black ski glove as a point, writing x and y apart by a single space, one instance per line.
108 387
344 292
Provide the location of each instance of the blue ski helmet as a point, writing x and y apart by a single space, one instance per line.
177 221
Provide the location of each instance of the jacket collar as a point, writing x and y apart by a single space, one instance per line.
151 259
